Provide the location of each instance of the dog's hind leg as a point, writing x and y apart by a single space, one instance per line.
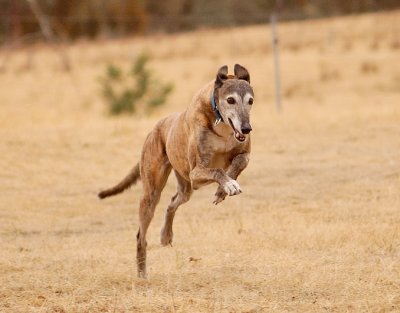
182 195
155 169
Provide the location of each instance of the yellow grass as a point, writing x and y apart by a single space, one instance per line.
316 229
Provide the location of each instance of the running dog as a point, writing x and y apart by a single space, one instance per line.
208 142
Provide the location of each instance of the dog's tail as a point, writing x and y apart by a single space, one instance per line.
129 180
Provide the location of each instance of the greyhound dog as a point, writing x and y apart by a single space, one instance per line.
208 142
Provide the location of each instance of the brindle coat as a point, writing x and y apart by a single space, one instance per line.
197 148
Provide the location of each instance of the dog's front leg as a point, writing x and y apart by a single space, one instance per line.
200 156
201 175
239 163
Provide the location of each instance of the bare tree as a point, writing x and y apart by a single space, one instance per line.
47 31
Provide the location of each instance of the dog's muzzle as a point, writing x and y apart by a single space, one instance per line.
240 135
246 129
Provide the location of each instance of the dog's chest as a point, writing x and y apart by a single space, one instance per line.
221 149
221 143
219 161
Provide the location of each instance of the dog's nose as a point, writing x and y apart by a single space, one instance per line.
246 129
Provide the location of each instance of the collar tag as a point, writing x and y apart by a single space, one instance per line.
217 121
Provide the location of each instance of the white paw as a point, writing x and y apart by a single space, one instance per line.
232 187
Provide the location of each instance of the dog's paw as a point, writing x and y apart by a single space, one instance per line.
219 195
232 187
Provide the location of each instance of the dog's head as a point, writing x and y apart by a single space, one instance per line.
235 97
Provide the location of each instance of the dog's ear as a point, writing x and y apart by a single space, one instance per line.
241 73
222 76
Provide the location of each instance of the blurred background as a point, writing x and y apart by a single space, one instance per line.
115 18
147 33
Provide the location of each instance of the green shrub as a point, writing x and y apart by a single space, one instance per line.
124 92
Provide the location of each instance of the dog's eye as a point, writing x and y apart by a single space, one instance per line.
230 100
251 101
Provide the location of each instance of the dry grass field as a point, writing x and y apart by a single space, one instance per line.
317 228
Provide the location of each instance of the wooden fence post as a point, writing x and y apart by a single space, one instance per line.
277 71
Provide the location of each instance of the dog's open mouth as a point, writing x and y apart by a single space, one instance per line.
238 135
